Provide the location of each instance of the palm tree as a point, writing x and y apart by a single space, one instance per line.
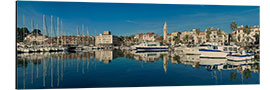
198 31
247 30
186 37
233 27
208 32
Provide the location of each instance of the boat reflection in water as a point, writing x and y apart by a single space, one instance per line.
117 68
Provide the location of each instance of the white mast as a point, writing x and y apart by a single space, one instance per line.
77 35
62 33
77 30
32 24
82 34
51 29
87 35
44 29
37 27
82 29
23 28
87 31
57 31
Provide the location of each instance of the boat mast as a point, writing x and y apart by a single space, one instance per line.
82 34
82 29
32 24
44 30
32 28
51 30
77 35
87 35
62 33
87 31
57 31
23 28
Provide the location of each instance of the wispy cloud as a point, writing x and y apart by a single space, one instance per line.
130 21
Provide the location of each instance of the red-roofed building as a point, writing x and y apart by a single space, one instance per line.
144 37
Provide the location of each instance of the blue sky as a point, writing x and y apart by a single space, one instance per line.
127 19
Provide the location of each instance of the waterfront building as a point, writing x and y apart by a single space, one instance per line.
254 30
35 39
188 36
240 33
217 36
202 37
172 35
106 39
241 36
146 37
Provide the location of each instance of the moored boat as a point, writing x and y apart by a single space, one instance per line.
150 46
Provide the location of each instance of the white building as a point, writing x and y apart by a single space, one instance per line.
35 39
146 37
241 36
218 36
105 39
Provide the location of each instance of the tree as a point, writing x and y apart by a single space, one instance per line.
247 30
21 33
257 37
208 32
233 27
219 32
186 37
159 38
198 31
176 39
36 31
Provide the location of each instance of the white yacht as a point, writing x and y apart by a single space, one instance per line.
213 52
150 46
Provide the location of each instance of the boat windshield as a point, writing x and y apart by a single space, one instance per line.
215 47
152 45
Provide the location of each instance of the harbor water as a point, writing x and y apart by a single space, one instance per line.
103 68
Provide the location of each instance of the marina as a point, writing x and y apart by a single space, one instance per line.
88 45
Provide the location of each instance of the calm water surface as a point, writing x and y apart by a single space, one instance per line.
129 69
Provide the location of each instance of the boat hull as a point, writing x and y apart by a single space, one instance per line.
212 54
152 48
240 57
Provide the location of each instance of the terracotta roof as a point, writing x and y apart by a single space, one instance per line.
214 30
175 31
254 27
240 28
149 33
202 33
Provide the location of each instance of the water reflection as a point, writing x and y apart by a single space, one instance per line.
55 66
